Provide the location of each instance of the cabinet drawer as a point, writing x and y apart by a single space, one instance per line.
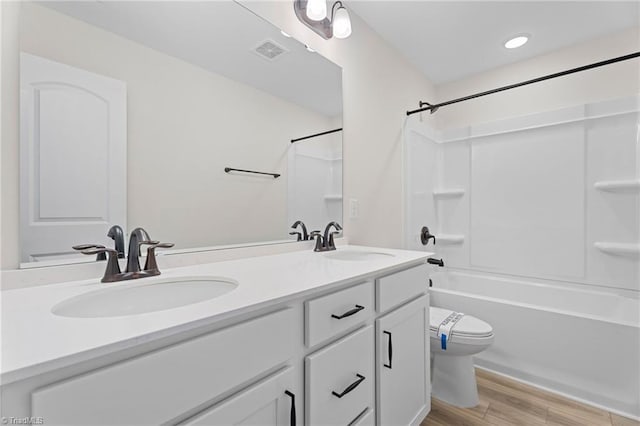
344 368
264 403
400 287
159 386
337 312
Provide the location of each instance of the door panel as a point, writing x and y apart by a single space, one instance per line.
72 157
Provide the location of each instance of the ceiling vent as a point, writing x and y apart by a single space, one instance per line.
269 50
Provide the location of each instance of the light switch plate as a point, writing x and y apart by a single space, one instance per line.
354 208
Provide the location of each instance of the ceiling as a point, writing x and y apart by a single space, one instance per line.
451 40
219 36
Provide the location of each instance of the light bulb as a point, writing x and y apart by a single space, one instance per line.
317 9
341 23
516 42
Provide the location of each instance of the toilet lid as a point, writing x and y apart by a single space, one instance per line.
468 326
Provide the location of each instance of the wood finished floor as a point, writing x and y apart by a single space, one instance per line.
507 402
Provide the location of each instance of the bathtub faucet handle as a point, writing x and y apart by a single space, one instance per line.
425 236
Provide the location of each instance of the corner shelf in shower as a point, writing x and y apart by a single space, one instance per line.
624 249
629 185
448 193
449 239
333 197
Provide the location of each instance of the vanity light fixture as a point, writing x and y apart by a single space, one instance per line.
517 41
316 9
313 13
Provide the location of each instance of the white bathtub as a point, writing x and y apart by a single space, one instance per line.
584 344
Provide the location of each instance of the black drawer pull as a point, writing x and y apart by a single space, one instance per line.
292 420
389 350
349 388
353 311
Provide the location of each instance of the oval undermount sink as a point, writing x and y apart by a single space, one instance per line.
143 297
357 255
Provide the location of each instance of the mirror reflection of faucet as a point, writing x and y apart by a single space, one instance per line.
304 236
117 235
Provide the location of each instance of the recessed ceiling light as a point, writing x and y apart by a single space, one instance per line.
284 34
516 41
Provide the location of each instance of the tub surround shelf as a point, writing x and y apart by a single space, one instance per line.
448 193
450 239
629 185
333 197
622 249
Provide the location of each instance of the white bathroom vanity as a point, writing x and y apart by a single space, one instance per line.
301 338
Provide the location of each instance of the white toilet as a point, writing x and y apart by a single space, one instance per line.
453 377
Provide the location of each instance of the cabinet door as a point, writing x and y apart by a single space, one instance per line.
270 402
164 384
402 366
339 380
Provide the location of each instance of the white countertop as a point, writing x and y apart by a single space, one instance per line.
35 341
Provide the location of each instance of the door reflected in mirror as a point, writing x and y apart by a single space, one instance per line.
132 111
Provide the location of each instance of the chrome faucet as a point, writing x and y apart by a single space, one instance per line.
326 242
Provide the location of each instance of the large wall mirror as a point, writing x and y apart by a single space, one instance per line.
136 113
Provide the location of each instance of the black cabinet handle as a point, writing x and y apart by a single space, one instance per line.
292 420
389 350
353 311
349 388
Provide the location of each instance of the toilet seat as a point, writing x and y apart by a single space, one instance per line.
469 330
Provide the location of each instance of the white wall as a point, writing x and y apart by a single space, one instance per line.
9 122
185 125
611 81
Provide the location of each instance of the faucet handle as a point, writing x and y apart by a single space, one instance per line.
331 244
101 255
148 242
319 240
151 264
425 236
299 238
113 267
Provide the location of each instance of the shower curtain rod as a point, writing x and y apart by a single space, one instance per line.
316 135
425 106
